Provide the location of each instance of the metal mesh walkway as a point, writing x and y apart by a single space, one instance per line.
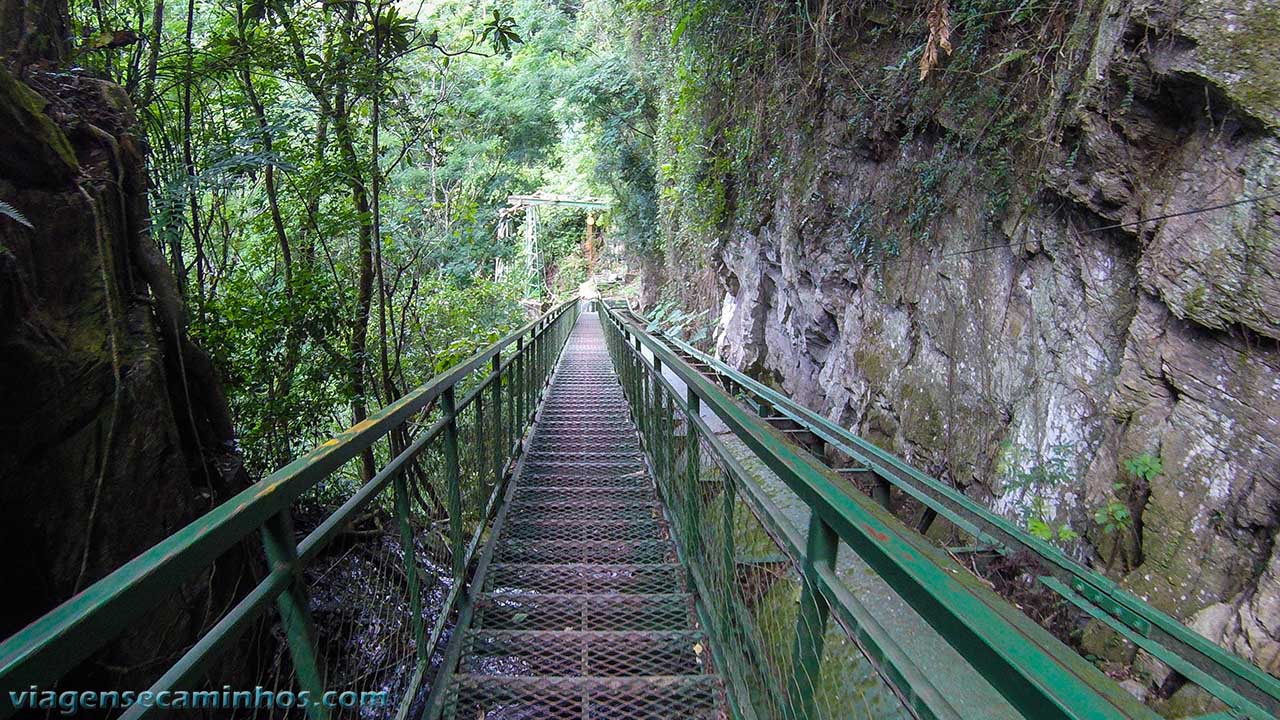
584 613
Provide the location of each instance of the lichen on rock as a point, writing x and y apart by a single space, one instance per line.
1058 288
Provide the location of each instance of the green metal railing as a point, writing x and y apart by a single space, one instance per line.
1239 684
769 592
448 448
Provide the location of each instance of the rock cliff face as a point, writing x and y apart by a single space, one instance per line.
115 433
1025 348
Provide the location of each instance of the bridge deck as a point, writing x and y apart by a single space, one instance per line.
584 612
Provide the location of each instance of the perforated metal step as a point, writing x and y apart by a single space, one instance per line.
584 654
583 611
591 698
651 579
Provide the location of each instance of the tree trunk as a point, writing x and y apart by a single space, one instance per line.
337 111
110 412
188 158
34 30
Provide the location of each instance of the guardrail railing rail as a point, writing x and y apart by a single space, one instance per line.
770 593
1239 684
446 450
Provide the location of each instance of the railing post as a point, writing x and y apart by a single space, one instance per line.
535 369
730 550
628 362
693 471
811 623
641 373
655 416
281 548
544 359
456 540
477 443
667 431
522 387
646 407
410 566
498 450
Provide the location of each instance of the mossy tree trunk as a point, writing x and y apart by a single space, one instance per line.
116 432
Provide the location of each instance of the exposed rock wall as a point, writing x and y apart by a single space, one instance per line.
115 431
1025 353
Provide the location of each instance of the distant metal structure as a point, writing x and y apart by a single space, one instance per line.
541 198
529 204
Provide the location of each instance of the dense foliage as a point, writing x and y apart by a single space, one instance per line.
327 176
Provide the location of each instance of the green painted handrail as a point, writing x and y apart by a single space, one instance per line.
1036 673
1238 683
55 643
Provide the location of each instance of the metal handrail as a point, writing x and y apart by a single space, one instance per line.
1036 673
55 643
1240 684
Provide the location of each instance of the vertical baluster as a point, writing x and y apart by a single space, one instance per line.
729 558
662 428
655 418
693 476
454 482
401 489
630 364
281 548
509 428
634 360
535 369
637 383
478 451
646 407
542 362
811 623
498 451
522 387
672 451
640 373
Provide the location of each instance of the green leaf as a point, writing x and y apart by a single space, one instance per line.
1145 466
681 26
1039 528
